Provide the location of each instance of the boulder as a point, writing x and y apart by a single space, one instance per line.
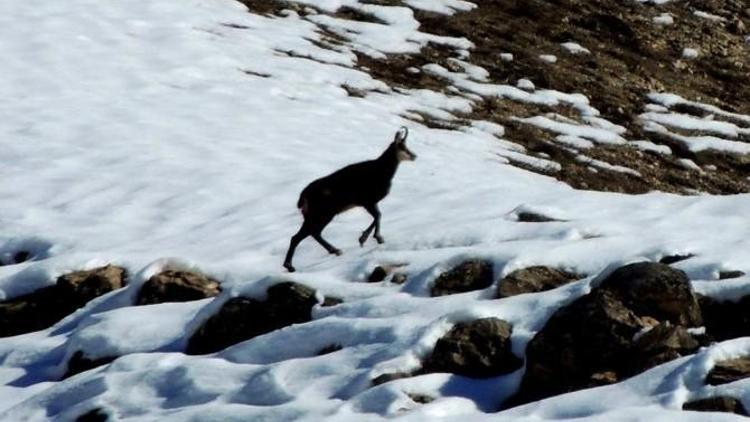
479 349
44 307
243 318
717 404
532 280
656 290
470 275
80 287
177 286
634 320
728 371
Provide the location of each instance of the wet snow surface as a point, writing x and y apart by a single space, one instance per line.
180 133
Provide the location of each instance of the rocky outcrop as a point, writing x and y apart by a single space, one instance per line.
243 318
470 275
635 319
44 307
479 349
717 404
533 279
177 286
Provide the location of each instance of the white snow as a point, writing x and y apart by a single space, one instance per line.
690 53
664 19
575 48
709 16
506 57
525 84
549 58
132 135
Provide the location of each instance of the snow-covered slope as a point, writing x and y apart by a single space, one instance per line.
179 133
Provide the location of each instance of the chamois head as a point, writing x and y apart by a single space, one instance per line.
399 145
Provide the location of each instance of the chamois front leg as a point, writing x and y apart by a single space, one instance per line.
375 213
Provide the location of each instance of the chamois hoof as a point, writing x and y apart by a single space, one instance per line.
336 252
289 267
379 239
362 240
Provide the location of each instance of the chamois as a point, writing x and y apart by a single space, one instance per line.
362 184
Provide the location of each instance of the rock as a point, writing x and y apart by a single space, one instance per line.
479 349
717 404
44 307
728 371
329 349
726 320
671 259
656 290
22 256
470 275
80 287
531 217
593 341
243 318
723 275
80 363
661 344
420 398
532 280
378 274
384 378
177 286
399 278
331 301
588 337
94 415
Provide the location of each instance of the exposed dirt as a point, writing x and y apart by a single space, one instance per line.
630 56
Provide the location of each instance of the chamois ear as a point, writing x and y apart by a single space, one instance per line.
401 135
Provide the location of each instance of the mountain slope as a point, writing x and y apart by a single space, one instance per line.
177 135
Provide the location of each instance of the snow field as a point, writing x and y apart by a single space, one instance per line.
133 135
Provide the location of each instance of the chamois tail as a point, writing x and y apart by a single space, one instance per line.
302 204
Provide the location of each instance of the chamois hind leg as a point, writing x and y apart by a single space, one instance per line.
317 231
375 213
303 232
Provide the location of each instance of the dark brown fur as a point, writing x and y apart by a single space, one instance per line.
362 184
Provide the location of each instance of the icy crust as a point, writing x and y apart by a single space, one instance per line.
165 129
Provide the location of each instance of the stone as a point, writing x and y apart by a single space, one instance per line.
728 371
532 280
717 404
243 318
177 286
656 290
479 349
44 307
378 274
474 274
635 319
